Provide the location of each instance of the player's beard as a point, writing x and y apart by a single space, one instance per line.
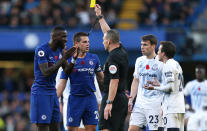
61 44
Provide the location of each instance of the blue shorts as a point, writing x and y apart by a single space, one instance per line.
82 107
44 109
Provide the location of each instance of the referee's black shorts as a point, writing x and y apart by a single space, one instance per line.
119 113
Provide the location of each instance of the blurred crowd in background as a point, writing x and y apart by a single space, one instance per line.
53 12
76 13
165 12
15 99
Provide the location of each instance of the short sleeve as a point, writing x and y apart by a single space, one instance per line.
136 69
63 75
187 89
168 74
98 64
113 69
41 54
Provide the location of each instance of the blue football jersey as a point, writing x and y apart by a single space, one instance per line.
82 75
44 85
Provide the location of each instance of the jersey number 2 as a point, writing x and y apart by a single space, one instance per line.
180 77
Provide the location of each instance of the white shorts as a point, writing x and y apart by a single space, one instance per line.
203 124
65 101
193 122
141 117
197 121
175 120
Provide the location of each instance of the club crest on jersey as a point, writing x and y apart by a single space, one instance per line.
90 62
41 53
112 69
155 67
44 117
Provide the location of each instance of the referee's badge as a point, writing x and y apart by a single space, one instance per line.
112 69
41 53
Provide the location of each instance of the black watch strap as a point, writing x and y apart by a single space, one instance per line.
109 102
100 17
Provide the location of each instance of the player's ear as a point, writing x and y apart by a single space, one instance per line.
109 42
154 46
76 43
53 36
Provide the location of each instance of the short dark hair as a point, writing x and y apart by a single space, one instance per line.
200 66
58 28
151 38
113 35
77 36
169 48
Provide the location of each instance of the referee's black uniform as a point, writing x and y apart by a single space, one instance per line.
116 67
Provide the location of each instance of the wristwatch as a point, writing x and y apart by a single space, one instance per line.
100 17
109 102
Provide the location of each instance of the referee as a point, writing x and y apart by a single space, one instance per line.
114 106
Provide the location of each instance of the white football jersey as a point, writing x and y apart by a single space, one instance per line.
147 69
66 92
198 93
173 101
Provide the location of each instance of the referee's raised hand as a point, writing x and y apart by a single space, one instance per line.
97 9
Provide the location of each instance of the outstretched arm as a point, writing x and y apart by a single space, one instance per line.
104 26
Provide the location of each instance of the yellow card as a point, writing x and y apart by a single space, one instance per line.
93 2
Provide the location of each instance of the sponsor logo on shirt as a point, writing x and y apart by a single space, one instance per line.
89 70
147 74
99 69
